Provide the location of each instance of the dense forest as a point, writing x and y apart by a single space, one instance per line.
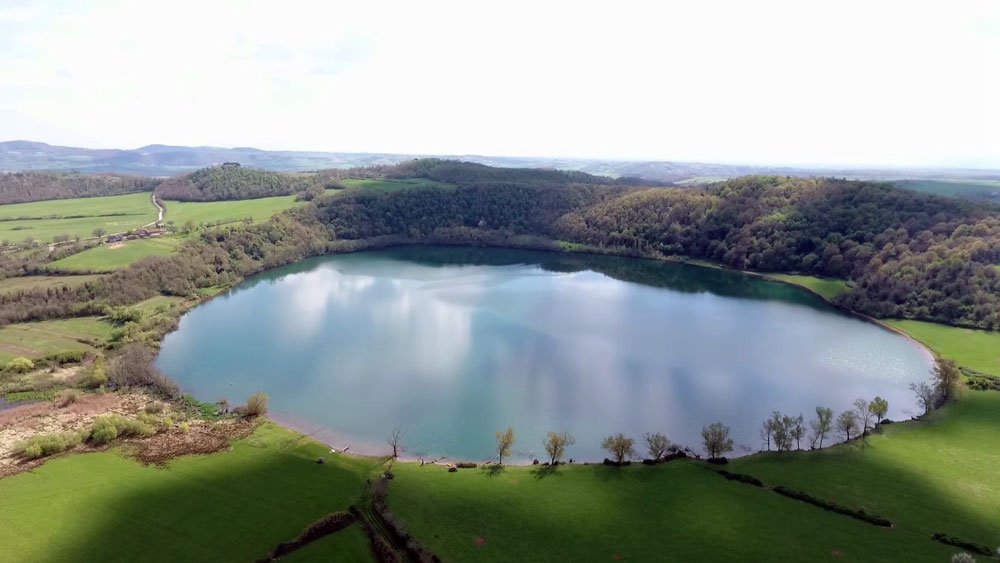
908 254
228 183
21 187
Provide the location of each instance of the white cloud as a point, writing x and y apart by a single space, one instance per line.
893 82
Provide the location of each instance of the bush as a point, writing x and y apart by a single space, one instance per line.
68 397
94 376
29 396
107 428
133 367
964 544
256 404
742 478
43 381
465 465
20 364
718 460
833 507
47 444
68 357
156 407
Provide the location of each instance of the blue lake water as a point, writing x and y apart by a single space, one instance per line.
454 344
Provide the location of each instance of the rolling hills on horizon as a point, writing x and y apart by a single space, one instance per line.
168 160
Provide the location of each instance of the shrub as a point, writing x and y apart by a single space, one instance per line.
156 407
29 396
68 357
718 460
964 544
108 428
133 367
834 507
20 364
466 465
257 404
47 444
44 381
94 376
68 397
742 478
122 315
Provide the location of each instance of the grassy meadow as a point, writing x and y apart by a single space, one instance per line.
939 474
108 257
217 212
230 506
679 511
43 220
34 340
828 288
976 349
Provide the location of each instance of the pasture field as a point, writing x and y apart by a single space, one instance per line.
679 511
389 185
938 474
43 220
23 283
976 349
108 257
220 212
37 339
954 188
349 545
230 506
828 288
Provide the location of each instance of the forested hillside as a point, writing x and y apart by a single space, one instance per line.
228 183
21 187
910 255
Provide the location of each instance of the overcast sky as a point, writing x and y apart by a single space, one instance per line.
869 82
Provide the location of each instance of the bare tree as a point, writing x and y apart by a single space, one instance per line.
99 233
505 443
947 376
863 413
822 425
925 395
657 445
716 439
798 431
620 447
396 441
847 424
556 444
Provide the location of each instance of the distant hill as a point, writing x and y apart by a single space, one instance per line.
166 160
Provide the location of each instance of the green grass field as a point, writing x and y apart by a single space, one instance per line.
937 475
680 511
13 285
106 258
34 340
976 349
50 218
962 188
828 288
349 545
216 212
387 185
229 506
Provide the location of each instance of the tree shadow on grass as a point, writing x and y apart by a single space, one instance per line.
493 470
543 471
229 506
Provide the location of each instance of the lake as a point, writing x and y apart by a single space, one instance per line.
454 344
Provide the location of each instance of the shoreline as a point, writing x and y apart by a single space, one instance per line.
331 437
